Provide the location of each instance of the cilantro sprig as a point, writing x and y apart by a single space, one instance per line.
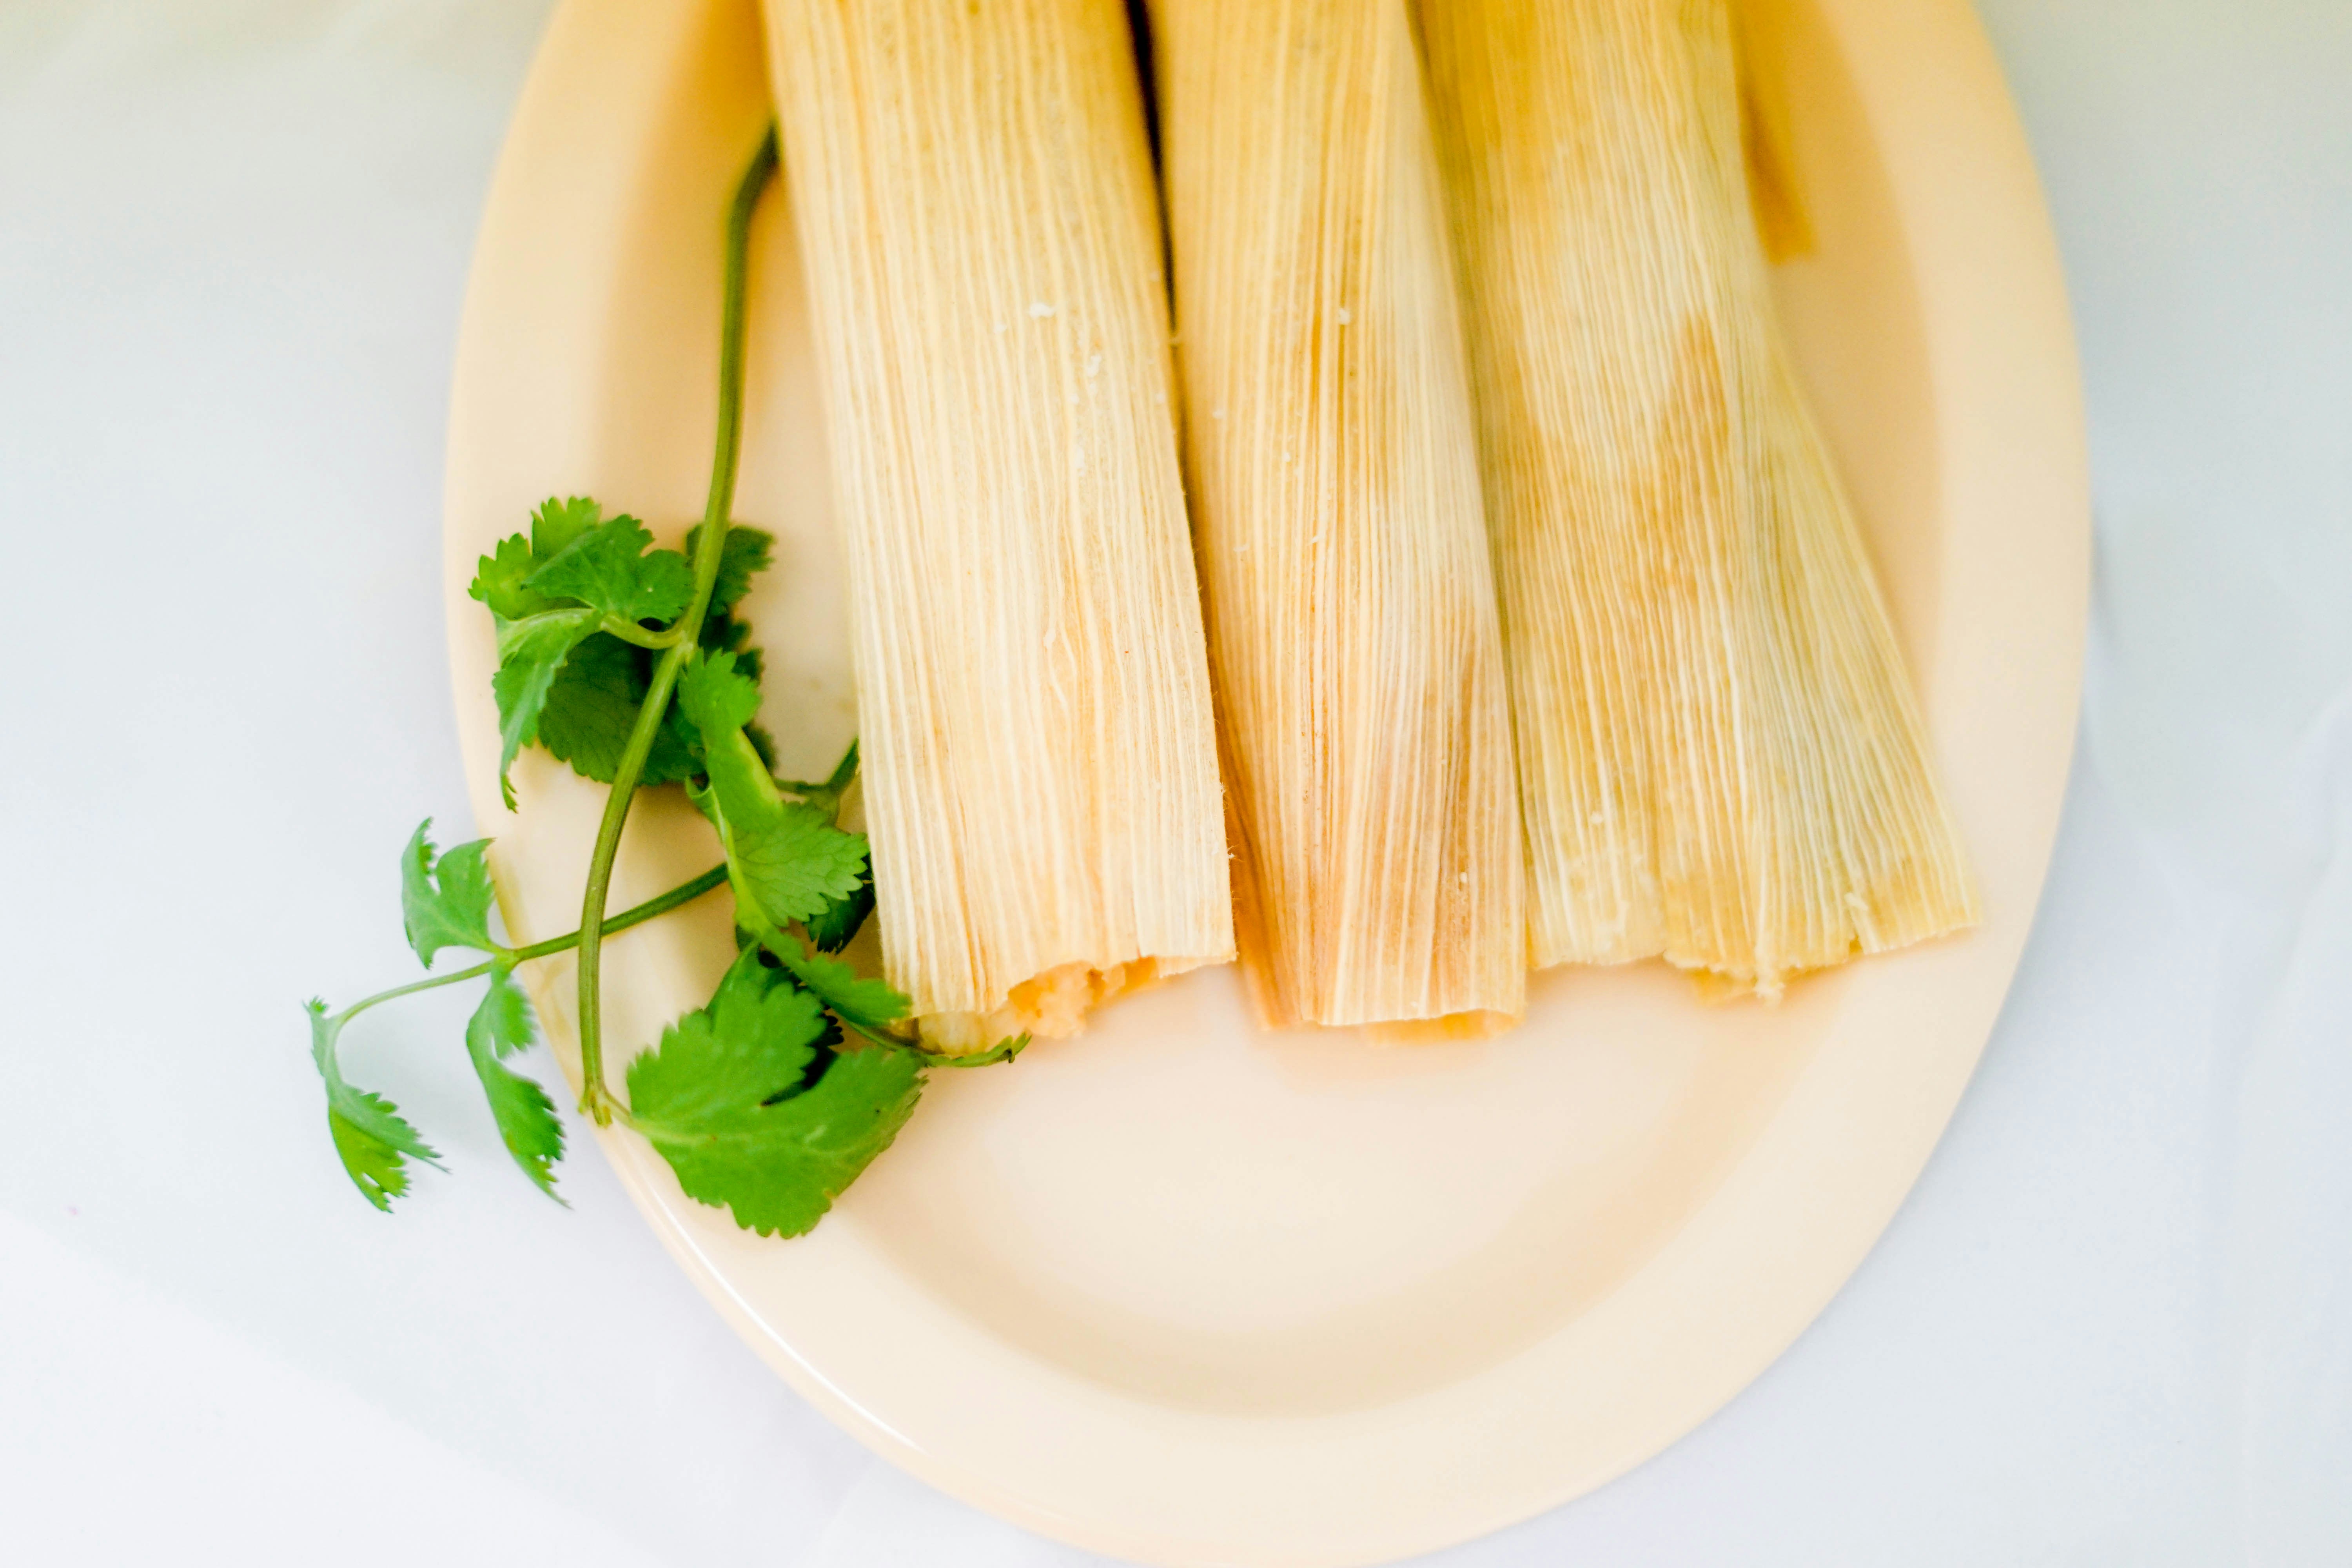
754 1112
445 902
628 662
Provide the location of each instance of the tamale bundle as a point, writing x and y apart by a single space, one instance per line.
972 191
1720 758
1338 527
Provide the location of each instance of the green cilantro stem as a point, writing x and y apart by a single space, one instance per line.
653 907
507 957
595 1102
1002 1051
364 1002
629 631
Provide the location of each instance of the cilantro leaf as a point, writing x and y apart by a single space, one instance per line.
746 977
573 689
445 902
592 705
870 1007
530 652
609 568
840 920
499 577
715 696
744 555
787 860
557 523
721 632
722 1101
526 1118
754 1044
370 1137
674 756
498 580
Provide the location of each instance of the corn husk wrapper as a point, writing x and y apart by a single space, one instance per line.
1721 759
1338 525
971 186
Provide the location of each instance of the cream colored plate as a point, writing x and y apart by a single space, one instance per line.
1179 1291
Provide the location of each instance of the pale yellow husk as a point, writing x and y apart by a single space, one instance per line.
1759 43
1721 759
1338 526
972 191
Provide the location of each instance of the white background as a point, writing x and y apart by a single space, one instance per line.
2112 1325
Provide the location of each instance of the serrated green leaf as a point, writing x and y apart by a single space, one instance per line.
755 1042
746 980
786 859
375 1167
557 523
499 577
505 1021
868 1006
744 555
722 633
839 922
371 1138
593 706
715 696
445 901
677 753
531 653
525 1116
613 567
498 580
720 1101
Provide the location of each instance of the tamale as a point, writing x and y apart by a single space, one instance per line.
1337 522
973 192
1721 759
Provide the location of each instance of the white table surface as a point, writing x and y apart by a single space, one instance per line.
2112 1325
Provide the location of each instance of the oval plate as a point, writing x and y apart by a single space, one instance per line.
1177 1290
